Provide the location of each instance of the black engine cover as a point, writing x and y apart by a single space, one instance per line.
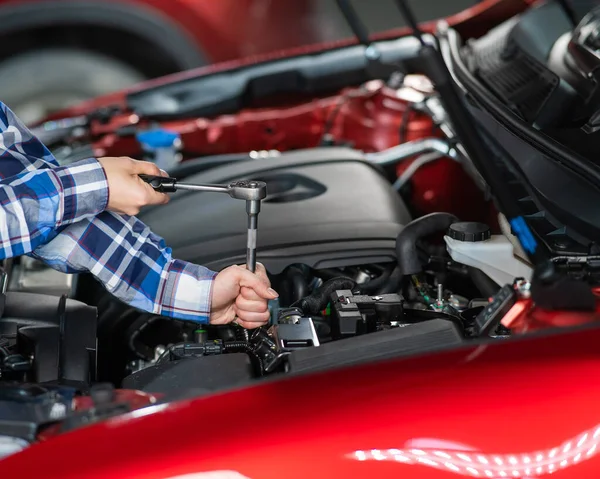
326 207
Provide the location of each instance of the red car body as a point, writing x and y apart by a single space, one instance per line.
474 21
290 122
209 31
56 53
521 408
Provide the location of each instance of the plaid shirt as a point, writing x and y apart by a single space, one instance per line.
56 214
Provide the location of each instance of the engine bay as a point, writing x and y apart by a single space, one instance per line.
378 232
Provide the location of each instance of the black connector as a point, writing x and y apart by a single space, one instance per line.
162 184
352 314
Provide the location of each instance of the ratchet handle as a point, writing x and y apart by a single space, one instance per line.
162 184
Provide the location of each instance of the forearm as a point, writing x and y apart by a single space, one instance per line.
133 264
34 204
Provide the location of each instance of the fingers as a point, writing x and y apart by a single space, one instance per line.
259 284
252 318
255 306
251 305
150 197
145 168
154 197
248 325
249 294
261 272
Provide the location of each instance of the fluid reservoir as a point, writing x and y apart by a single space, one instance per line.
472 244
162 147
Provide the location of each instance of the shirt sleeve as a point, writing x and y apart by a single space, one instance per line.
134 264
20 150
34 204
69 233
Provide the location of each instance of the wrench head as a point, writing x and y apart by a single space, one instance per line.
249 190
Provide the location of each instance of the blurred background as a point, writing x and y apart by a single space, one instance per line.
381 15
55 53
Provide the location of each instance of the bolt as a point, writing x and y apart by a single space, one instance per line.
372 53
560 245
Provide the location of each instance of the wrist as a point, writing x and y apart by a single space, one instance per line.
84 190
186 292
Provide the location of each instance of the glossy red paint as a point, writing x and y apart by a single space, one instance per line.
369 118
295 124
228 29
505 402
469 23
232 29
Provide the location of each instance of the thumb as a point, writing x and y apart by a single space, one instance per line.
256 283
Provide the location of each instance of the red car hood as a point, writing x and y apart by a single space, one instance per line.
493 410
474 22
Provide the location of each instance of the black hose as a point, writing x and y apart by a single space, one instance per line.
295 284
317 301
245 347
236 346
329 273
406 242
486 285
373 286
241 334
392 285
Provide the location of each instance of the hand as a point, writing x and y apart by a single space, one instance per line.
242 296
127 192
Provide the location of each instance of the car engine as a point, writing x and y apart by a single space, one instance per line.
379 235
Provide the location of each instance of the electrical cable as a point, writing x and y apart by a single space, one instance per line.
404 121
334 113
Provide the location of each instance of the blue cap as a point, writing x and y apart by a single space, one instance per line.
158 138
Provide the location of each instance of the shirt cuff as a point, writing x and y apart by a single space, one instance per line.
84 191
186 292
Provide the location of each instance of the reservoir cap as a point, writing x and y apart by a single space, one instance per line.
469 231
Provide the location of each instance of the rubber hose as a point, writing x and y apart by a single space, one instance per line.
372 286
296 279
329 273
406 242
392 285
241 334
232 346
317 301
244 347
486 285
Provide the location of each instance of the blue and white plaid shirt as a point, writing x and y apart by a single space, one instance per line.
56 214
